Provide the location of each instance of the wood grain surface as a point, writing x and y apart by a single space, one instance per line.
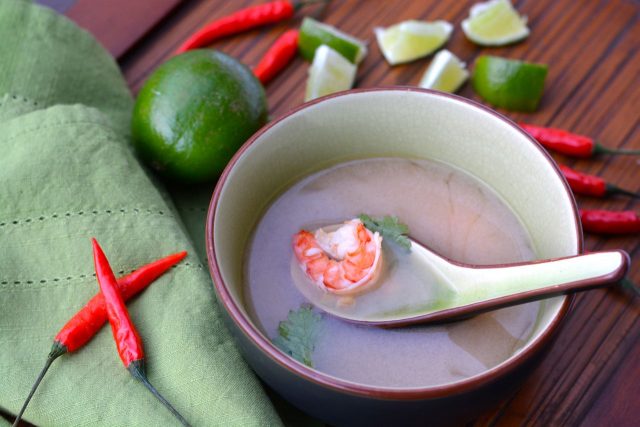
117 24
591 375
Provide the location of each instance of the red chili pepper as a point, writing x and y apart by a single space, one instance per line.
277 57
89 320
591 185
610 222
125 334
237 22
570 144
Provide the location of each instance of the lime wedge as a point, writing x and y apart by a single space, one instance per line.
329 72
446 73
508 83
314 33
411 40
495 23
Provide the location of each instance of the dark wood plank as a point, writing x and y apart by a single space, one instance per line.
592 372
119 24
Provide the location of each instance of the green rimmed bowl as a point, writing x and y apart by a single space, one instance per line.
398 122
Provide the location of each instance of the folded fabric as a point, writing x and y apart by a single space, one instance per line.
67 174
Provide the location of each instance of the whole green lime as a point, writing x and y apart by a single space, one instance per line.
194 112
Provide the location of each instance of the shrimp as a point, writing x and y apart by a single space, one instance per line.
343 261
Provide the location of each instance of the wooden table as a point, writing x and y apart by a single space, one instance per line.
591 376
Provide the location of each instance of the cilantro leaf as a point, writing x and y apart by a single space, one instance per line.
297 334
389 227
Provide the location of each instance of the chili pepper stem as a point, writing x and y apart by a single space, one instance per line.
137 370
626 283
57 350
601 149
297 5
612 189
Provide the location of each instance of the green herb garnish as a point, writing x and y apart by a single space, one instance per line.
298 334
390 228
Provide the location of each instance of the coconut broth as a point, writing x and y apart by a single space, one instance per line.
455 214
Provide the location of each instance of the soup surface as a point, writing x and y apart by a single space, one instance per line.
455 214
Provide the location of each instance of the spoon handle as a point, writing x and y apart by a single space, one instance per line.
550 277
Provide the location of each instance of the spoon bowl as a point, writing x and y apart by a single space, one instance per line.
450 290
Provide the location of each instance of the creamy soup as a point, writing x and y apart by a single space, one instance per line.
455 214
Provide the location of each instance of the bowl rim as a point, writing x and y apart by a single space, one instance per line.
344 386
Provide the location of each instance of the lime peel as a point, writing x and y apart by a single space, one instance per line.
445 73
508 83
313 34
495 23
410 40
330 72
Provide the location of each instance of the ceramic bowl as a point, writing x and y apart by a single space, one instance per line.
401 122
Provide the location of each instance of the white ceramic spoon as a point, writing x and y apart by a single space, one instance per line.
464 289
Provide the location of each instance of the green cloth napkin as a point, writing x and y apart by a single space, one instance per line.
67 173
